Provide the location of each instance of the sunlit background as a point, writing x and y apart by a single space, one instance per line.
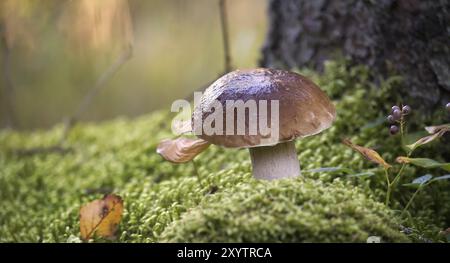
54 51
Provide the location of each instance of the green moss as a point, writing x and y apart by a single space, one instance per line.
301 210
40 194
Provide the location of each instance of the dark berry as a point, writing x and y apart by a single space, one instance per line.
390 119
393 130
395 108
448 106
406 109
397 113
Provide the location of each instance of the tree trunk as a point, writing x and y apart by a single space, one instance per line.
408 37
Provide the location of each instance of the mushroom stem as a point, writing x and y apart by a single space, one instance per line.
275 162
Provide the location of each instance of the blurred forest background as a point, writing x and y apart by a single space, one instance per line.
54 51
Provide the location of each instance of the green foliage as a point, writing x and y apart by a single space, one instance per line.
428 163
300 210
361 108
40 194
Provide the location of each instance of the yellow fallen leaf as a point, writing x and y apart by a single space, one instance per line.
181 150
101 217
368 153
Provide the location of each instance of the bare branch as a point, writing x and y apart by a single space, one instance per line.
42 150
95 90
102 80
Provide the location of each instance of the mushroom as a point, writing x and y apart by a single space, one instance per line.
304 110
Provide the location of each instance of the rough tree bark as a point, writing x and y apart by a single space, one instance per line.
409 37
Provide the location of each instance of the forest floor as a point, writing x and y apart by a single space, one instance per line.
41 192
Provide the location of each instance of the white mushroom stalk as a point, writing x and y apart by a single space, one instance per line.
275 162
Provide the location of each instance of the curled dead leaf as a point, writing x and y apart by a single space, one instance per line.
427 139
101 217
181 150
435 129
368 153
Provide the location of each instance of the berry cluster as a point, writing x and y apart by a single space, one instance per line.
396 117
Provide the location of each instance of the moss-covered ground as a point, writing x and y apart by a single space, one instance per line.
41 193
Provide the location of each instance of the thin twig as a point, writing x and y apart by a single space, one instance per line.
8 85
225 38
95 90
42 150
86 102
411 200
389 187
70 122
197 173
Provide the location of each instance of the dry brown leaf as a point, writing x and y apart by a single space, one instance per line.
368 153
101 217
181 150
427 139
435 129
402 159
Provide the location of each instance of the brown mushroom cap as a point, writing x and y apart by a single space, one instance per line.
304 109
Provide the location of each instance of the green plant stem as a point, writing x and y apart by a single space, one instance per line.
197 173
392 185
402 168
399 174
397 178
402 131
408 154
402 138
389 187
388 195
411 200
